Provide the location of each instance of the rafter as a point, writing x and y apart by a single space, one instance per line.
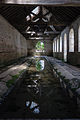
42 2
61 17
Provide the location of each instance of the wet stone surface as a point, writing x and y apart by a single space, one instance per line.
39 96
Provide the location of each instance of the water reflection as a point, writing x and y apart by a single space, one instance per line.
34 107
27 103
36 110
30 86
33 104
40 65
35 81
39 96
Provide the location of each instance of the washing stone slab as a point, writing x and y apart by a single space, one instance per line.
6 79
3 88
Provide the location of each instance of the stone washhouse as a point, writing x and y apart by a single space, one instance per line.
39 59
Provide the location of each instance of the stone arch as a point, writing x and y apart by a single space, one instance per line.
71 40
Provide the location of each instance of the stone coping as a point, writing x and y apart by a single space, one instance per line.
69 75
9 77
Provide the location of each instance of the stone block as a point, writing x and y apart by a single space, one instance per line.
3 88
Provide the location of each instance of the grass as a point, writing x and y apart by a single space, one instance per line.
59 73
21 71
12 81
66 81
14 77
38 66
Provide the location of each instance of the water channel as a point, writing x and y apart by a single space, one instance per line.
39 96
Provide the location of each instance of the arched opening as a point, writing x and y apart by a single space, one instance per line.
79 39
57 45
40 46
65 47
60 44
53 47
71 40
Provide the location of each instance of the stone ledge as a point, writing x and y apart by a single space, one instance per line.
9 78
68 79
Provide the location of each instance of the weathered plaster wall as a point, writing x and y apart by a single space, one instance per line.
72 57
12 44
32 48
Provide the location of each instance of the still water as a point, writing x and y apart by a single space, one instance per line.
39 96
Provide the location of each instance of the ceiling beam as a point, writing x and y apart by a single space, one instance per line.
49 23
42 2
52 32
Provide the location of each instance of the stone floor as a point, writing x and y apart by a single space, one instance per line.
8 75
73 71
69 74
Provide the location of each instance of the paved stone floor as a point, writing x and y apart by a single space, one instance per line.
9 75
70 75
73 70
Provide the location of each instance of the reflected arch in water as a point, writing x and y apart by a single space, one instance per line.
40 65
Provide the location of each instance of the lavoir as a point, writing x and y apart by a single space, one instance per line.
39 59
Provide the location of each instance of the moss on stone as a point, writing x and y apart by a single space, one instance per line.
12 81
21 71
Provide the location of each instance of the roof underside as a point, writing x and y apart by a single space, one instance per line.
36 22
42 2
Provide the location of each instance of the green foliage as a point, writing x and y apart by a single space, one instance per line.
59 73
21 71
38 66
9 83
12 81
40 45
14 77
66 81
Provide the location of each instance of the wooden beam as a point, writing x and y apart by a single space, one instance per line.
39 39
58 24
49 23
52 32
42 2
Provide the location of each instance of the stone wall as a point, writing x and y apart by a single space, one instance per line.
72 57
12 44
32 47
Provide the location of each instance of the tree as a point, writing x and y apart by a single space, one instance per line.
40 45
